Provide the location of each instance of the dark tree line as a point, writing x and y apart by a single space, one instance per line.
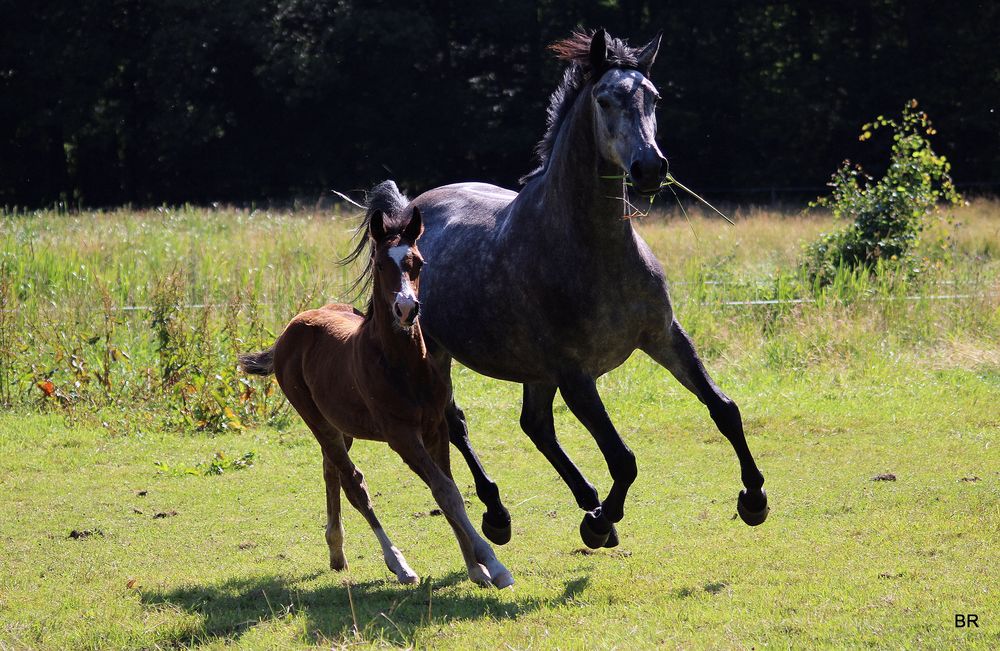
111 101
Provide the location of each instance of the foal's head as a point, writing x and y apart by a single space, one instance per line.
396 264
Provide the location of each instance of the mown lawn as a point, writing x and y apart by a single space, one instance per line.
833 394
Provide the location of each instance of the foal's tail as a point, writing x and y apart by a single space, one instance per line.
261 363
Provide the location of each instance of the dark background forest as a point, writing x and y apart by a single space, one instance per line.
104 102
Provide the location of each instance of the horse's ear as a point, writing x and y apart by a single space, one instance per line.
376 226
648 53
415 227
599 51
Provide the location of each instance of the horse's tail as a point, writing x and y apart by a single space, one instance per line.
387 199
261 363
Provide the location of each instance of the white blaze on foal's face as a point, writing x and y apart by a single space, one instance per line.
406 305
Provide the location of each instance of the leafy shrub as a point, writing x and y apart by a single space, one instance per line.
889 214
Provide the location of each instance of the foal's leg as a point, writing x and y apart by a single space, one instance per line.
357 494
580 393
482 563
438 449
537 423
673 350
334 527
326 435
335 455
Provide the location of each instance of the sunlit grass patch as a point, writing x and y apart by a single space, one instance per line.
135 318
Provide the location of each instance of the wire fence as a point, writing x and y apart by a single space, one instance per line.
726 303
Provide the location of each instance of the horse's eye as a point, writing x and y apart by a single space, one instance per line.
604 102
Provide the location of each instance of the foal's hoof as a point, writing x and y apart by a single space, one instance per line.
503 579
497 530
753 509
408 577
479 575
595 530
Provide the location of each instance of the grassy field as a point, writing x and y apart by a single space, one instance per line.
117 335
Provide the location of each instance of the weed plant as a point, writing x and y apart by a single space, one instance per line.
888 215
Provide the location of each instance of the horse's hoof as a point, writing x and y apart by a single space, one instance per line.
338 563
612 540
752 509
595 529
496 530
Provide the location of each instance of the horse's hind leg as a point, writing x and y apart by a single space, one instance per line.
675 352
356 490
537 423
481 562
334 526
496 520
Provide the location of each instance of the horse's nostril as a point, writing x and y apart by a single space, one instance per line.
664 167
416 310
636 171
399 312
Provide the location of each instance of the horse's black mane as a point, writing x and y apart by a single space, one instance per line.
387 199
575 50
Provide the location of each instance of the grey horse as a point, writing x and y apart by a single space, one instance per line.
550 287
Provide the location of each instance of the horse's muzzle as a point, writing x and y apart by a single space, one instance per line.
647 172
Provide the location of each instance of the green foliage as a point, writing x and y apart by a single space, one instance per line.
218 465
317 94
889 214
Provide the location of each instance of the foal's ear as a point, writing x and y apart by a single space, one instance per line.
376 226
648 54
415 227
599 51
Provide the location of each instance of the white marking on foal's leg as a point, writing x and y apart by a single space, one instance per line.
479 575
500 576
335 541
394 559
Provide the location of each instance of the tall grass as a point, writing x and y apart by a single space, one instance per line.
136 315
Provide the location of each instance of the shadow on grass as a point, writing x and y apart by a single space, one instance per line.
383 610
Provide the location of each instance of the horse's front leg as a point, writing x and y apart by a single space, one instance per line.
580 393
672 349
537 422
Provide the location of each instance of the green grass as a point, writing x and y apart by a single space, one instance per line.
859 383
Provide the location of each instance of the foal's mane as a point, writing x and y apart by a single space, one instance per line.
576 51
387 199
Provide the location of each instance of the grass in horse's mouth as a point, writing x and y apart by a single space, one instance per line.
671 181
668 183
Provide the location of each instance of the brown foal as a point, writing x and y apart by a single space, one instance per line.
369 377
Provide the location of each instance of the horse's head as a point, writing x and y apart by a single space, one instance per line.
624 105
397 262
